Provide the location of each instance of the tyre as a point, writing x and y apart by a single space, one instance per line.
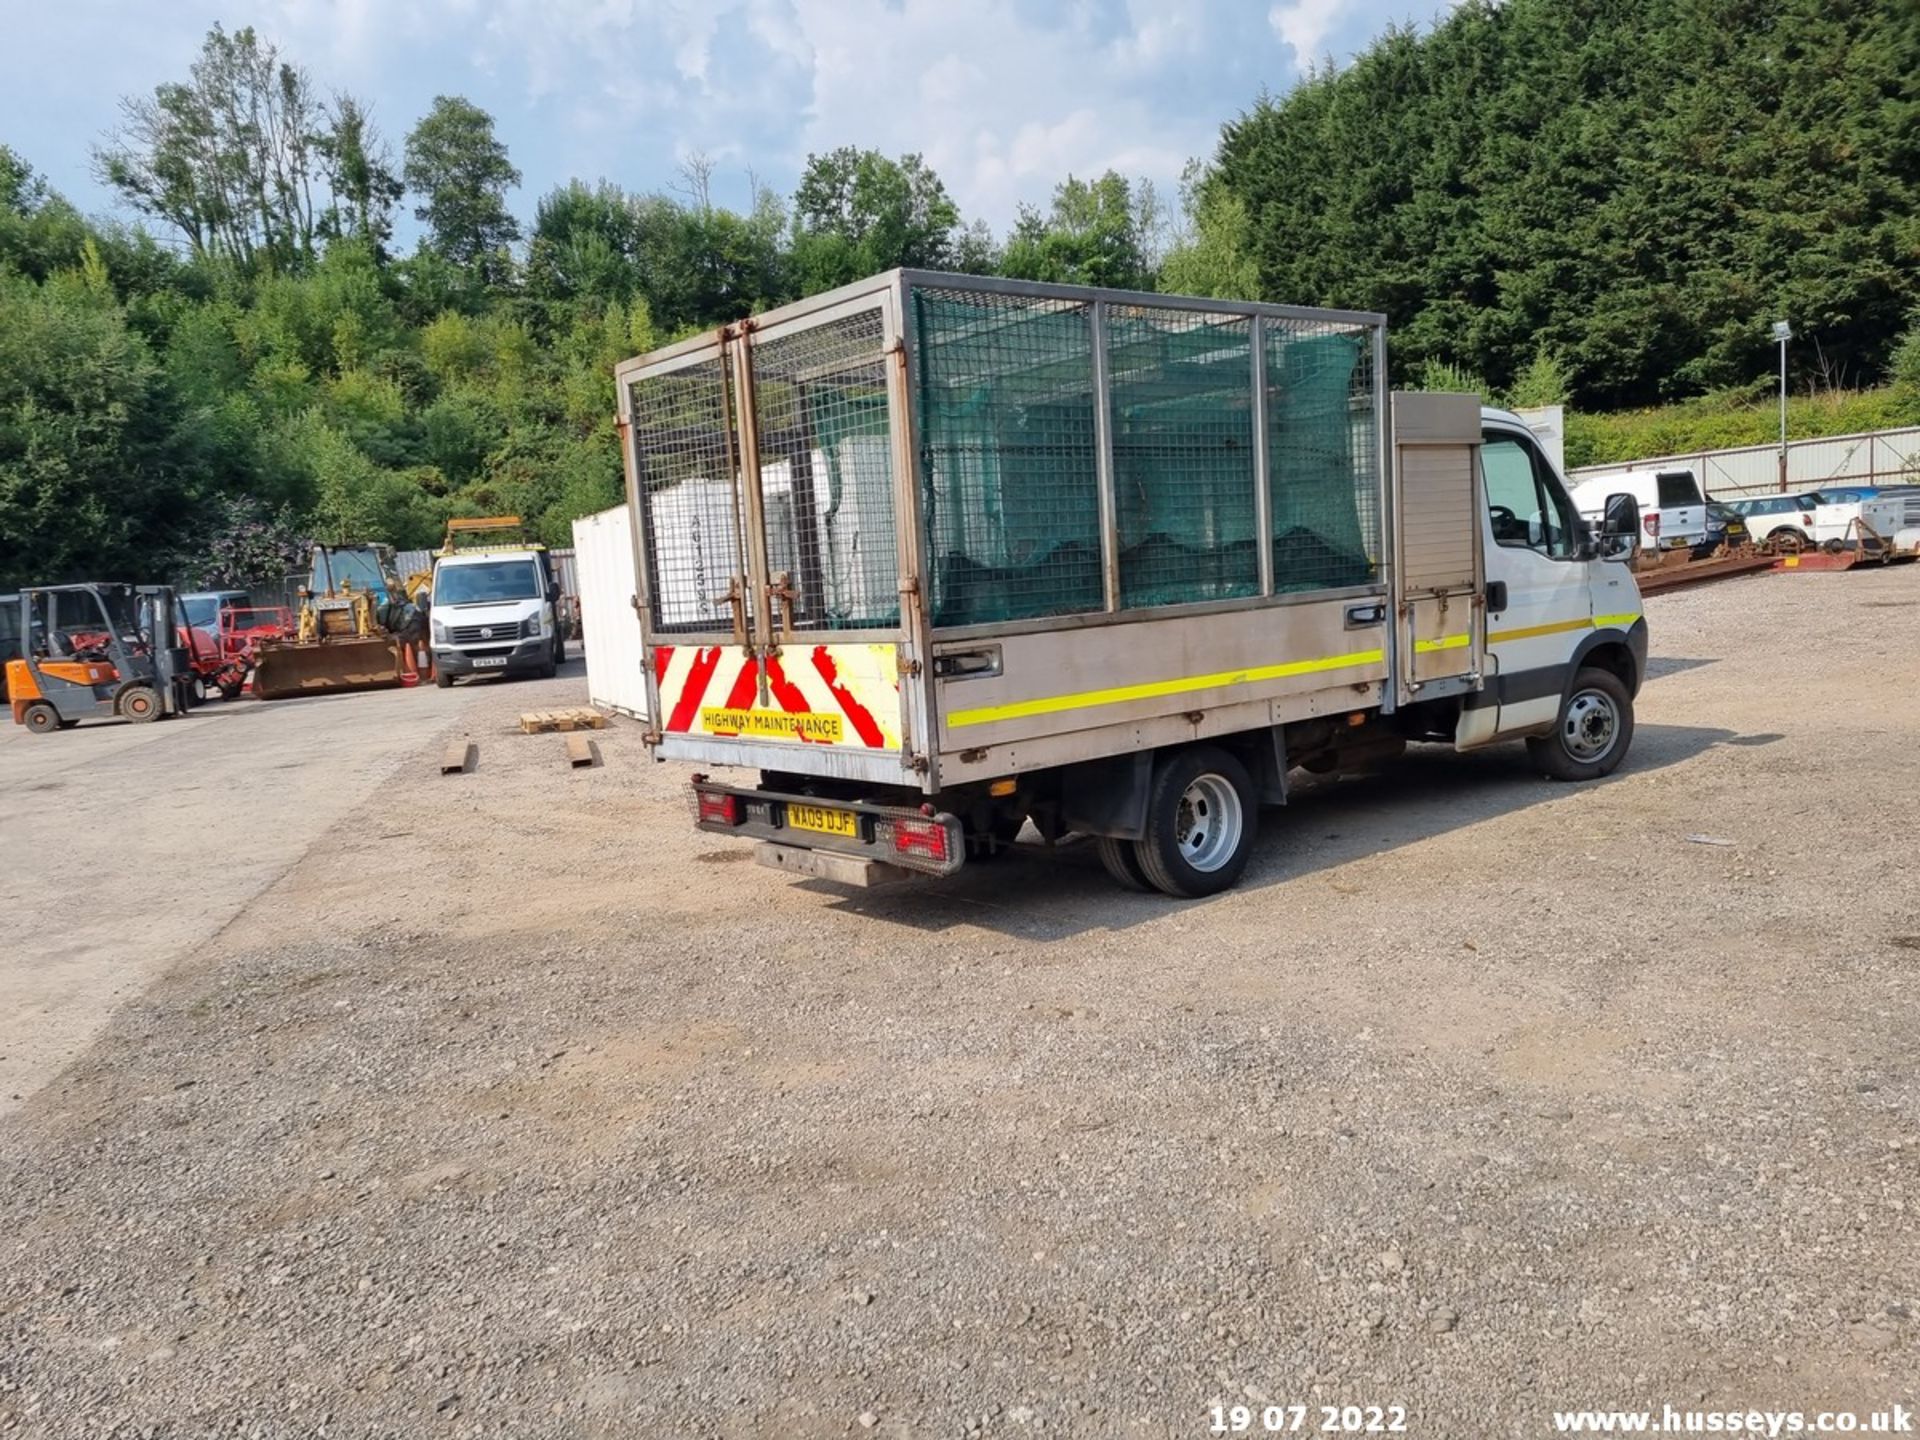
232 690
1591 737
1202 817
140 704
1834 547
1122 862
41 718
441 679
559 649
1786 541
548 669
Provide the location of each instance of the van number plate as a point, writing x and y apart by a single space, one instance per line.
487 662
823 822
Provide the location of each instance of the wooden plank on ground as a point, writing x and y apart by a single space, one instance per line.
532 722
458 758
581 751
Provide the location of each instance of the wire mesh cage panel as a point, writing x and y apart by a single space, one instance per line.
688 484
1180 387
826 472
1004 417
1323 459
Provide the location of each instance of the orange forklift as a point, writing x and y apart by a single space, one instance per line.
96 651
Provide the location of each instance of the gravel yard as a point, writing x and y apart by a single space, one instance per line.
515 1106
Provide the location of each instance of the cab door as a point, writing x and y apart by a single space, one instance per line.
1539 604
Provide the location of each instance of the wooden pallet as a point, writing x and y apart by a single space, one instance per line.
532 722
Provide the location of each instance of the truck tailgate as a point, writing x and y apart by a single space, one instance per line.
828 709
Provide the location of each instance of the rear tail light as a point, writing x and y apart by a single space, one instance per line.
925 843
714 808
923 839
1651 524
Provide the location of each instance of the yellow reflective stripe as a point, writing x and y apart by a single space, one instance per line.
1528 632
1153 689
1445 642
1561 627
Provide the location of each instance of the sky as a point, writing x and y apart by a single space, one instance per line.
1004 98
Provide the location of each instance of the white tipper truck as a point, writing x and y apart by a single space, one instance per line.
937 555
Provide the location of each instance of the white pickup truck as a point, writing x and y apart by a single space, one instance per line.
1673 508
938 555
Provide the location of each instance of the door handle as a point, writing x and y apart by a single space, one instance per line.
1496 596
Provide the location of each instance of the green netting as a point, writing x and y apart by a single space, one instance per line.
1321 467
1181 387
1005 425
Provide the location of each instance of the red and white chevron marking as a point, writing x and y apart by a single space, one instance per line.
853 690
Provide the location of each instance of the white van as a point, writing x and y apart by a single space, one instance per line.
1673 509
493 613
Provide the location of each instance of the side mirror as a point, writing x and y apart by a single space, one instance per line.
1620 527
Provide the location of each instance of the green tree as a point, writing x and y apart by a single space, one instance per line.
1092 235
226 157
87 487
1212 251
461 173
857 213
359 171
1635 187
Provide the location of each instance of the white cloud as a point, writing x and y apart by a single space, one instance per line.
1303 26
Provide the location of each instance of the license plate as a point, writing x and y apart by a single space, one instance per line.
822 822
488 662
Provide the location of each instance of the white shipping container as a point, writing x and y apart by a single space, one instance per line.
610 626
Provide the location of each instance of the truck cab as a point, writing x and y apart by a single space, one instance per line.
1561 598
493 613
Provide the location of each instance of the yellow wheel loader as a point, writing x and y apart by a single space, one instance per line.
355 632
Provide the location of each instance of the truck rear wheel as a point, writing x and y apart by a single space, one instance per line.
1202 816
1122 862
1591 737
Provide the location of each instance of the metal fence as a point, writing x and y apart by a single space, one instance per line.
1879 457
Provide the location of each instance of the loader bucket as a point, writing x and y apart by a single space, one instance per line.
326 667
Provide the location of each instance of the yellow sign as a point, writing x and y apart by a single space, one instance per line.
772 725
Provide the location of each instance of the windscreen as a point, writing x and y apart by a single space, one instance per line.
335 570
486 582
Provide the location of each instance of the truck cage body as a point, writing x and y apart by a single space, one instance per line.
931 529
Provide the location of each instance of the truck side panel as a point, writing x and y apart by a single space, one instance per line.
1023 687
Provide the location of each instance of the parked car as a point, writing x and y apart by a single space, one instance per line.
1885 512
1673 508
1724 527
1785 522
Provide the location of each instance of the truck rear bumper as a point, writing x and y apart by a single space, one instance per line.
843 835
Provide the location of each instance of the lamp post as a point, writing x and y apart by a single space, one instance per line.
1783 332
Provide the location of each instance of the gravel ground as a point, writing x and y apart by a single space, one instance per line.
518 1107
